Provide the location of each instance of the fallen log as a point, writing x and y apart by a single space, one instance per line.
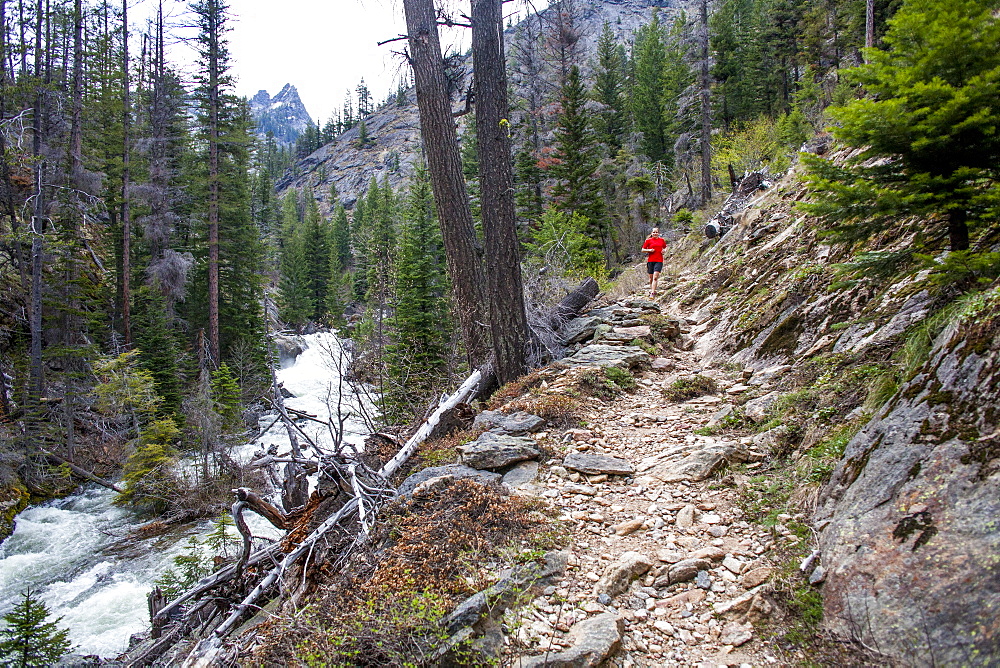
571 305
461 394
81 472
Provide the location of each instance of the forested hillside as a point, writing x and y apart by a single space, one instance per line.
840 322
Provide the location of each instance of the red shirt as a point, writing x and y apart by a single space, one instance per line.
657 244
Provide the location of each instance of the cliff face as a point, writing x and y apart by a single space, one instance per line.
393 144
907 523
284 114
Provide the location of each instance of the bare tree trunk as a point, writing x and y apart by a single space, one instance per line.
508 322
36 381
17 253
440 141
213 183
126 212
869 24
706 112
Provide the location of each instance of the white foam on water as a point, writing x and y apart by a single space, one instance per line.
76 554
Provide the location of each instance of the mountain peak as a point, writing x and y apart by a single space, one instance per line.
284 115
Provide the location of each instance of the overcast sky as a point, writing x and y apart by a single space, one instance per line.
322 47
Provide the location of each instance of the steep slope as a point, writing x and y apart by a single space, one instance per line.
284 115
889 384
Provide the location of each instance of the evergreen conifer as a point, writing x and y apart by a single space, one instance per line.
30 639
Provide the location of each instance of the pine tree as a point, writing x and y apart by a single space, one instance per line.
295 299
30 640
929 129
650 55
609 89
316 248
421 326
577 164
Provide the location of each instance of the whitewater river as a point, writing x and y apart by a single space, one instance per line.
76 552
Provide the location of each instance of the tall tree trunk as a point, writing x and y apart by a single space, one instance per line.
706 112
869 25
958 229
213 182
35 371
437 129
126 212
508 322
7 203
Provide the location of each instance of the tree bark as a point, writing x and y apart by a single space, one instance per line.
508 322
35 372
213 181
706 112
126 212
869 24
958 229
440 141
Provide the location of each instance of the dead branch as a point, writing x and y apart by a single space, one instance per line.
82 472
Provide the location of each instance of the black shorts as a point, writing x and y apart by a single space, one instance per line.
653 267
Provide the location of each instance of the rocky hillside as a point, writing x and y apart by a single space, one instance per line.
892 385
284 115
394 131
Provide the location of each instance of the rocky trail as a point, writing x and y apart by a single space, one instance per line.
663 566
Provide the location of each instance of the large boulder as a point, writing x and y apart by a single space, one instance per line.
514 424
455 471
593 641
604 355
288 348
909 529
496 451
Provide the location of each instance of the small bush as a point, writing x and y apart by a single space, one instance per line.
690 387
560 410
607 383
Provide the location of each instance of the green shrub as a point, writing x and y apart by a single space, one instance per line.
607 383
690 387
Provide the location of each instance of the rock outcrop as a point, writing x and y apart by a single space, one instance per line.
910 540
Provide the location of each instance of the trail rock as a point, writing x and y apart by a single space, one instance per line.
604 355
759 408
580 329
639 332
596 464
736 634
618 575
757 576
702 463
524 473
663 364
685 516
514 424
594 640
682 571
627 527
496 451
455 470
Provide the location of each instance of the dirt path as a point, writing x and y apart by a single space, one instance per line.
674 559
